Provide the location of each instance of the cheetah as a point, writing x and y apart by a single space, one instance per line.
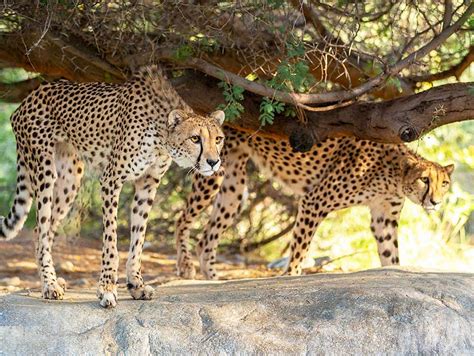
124 132
335 174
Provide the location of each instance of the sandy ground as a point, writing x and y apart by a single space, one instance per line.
78 262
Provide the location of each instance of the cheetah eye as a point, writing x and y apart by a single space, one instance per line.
424 180
195 139
219 139
445 184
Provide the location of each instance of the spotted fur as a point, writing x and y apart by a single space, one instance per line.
335 174
128 132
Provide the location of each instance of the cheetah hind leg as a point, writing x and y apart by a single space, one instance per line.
43 175
69 169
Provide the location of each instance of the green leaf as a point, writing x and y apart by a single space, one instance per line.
268 108
394 81
233 94
183 52
290 112
470 22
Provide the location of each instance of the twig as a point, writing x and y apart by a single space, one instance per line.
255 245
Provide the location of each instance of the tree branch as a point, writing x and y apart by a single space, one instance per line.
16 92
56 58
399 120
448 13
456 70
402 119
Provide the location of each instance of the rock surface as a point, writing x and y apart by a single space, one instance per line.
377 311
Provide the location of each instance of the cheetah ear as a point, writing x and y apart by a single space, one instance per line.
408 164
219 116
175 118
449 168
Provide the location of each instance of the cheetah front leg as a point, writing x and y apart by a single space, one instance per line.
385 215
107 289
145 191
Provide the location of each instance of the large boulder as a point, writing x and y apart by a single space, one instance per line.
377 311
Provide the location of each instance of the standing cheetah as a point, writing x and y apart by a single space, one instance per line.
128 132
335 174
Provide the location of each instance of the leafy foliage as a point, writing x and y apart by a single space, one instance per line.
292 75
184 52
268 109
233 95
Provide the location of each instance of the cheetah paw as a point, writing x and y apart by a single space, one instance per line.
143 292
108 298
209 274
53 290
187 270
62 283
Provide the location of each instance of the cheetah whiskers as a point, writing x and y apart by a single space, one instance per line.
191 171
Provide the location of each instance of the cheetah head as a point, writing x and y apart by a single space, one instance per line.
196 141
426 183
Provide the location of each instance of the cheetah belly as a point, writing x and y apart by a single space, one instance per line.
289 184
91 142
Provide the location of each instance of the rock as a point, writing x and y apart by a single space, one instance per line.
10 281
147 245
384 311
308 262
82 282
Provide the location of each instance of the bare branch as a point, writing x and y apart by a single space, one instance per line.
400 120
83 53
311 17
456 70
55 57
448 13
255 245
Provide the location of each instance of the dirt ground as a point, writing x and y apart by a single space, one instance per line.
78 262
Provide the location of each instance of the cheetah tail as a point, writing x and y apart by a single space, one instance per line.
14 221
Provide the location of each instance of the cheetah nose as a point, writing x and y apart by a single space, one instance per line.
212 162
434 202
